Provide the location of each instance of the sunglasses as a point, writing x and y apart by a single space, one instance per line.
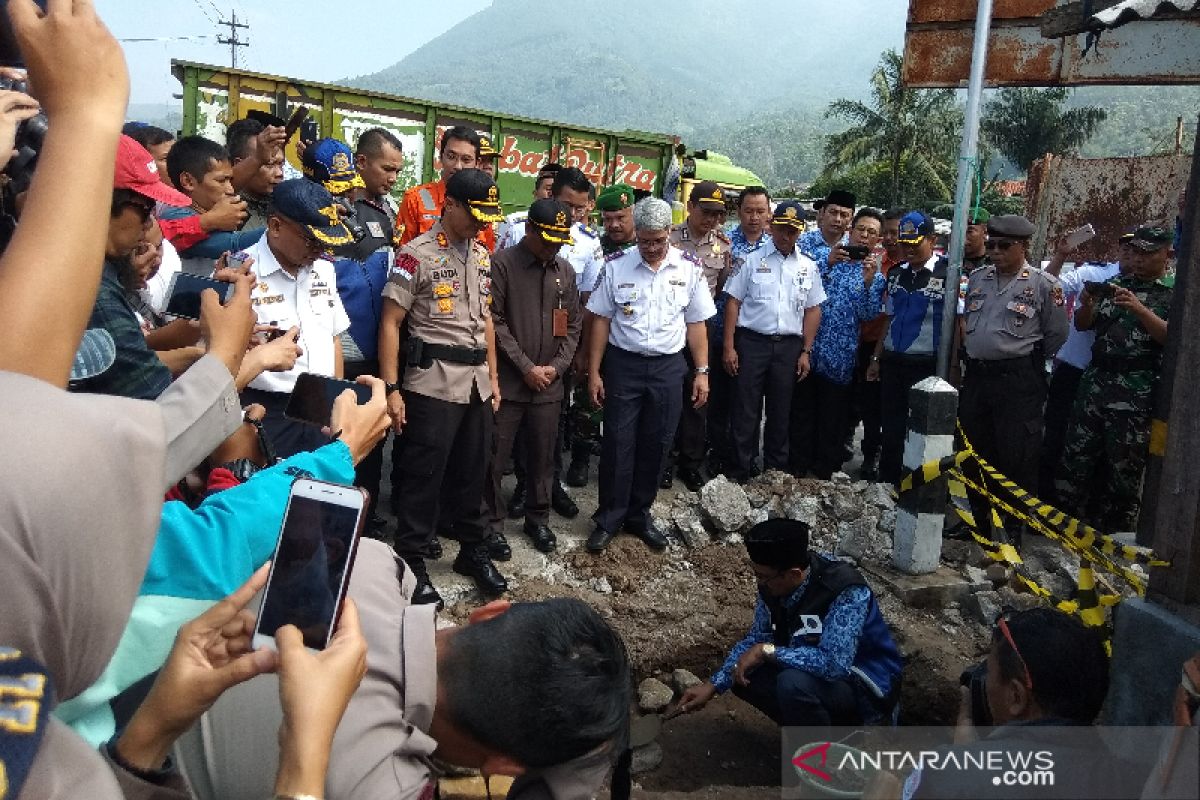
999 244
1002 626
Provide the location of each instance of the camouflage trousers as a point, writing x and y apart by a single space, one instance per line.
1099 479
583 421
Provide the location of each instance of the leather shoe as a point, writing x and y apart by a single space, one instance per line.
516 503
599 540
562 503
695 478
577 473
497 547
652 536
668 478
423 593
434 551
475 563
542 537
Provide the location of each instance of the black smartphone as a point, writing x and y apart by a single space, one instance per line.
312 398
10 54
313 559
1099 290
293 124
308 131
185 294
857 252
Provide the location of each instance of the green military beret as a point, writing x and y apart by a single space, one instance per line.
615 197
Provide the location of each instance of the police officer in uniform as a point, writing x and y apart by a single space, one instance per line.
647 305
1015 320
441 285
584 420
297 287
700 237
1110 422
773 312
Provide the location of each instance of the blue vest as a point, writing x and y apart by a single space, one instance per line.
360 285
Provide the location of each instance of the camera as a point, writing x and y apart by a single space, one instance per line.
350 219
975 679
857 252
30 136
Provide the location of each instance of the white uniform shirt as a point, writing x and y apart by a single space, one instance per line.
309 300
650 311
1077 351
155 293
584 254
774 291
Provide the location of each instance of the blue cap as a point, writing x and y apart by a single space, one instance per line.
914 226
311 205
97 352
331 164
789 212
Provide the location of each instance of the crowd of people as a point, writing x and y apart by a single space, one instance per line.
489 344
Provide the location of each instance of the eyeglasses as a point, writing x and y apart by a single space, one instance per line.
1002 626
466 160
867 230
1000 244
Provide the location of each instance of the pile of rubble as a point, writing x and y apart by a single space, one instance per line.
853 520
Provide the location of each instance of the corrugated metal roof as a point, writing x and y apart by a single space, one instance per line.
1132 10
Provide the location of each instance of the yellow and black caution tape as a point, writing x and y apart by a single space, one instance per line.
928 473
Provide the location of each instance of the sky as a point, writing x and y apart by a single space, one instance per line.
287 37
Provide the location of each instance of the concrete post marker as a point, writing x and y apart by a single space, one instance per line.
920 515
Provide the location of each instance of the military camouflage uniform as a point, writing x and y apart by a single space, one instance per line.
1110 423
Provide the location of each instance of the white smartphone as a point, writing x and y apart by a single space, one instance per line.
313 558
1080 235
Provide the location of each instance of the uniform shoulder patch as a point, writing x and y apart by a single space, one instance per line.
406 265
720 236
586 231
614 255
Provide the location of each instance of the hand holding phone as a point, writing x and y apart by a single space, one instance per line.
857 252
313 397
1079 236
184 299
1098 289
310 571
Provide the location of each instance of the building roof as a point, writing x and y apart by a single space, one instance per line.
1133 10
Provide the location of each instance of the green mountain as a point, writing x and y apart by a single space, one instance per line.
748 79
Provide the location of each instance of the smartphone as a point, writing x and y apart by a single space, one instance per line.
1080 235
308 131
313 558
312 398
184 300
1099 290
857 252
293 124
237 260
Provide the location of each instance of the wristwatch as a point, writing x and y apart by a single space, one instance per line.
702 370
806 351
391 387
769 650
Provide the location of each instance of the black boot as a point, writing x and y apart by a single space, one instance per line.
516 503
424 593
475 563
497 547
577 471
562 503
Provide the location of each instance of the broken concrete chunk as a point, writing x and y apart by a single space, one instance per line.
646 758
985 606
684 680
725 504
654 695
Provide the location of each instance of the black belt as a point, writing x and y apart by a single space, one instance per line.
770 337
1005 366
423 354
647 356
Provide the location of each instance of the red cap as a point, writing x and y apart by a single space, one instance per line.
136 170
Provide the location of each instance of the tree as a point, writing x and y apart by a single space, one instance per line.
914 133
1025 124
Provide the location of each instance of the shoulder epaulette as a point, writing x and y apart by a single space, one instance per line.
720 234
584 229
615 255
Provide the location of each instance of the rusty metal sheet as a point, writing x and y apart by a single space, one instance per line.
932 11
1113 194
939 36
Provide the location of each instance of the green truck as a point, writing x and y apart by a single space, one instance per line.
658 163
215 96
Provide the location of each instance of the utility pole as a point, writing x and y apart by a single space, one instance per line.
963 194
232 40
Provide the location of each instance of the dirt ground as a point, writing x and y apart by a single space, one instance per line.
685 608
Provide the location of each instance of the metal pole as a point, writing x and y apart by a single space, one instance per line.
962 194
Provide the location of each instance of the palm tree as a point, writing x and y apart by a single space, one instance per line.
913 131
1025 124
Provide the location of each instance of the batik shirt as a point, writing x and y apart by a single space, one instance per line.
812 244
831 659
848 303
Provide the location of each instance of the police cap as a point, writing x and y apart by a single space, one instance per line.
311 205
707 194
1014 226
551 219
475 189
789 212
